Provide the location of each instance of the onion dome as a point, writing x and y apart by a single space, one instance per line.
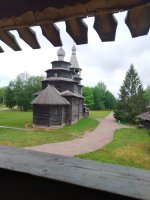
61 54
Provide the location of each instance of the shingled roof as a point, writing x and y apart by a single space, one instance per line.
69 94
50 96
144 116
21 15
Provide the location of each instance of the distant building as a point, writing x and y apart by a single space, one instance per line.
60 102
145 118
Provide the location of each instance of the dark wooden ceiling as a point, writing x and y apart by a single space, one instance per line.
21 15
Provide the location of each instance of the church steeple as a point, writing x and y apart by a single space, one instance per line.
75 66
73 59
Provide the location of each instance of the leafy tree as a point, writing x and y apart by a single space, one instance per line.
25 86
102 85
131 98
20 91
88 97
110 100
147 95
99 96
2 95
10 95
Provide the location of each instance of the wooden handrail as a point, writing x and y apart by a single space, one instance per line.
26 174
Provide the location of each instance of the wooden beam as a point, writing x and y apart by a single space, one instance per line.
105 25
33 175
17 8
51 32
77 29
10 40
1 50
138 21
29 36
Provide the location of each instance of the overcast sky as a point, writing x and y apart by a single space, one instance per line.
100 61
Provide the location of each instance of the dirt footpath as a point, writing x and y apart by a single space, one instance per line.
91 141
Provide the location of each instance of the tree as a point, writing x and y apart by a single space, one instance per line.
102 85
88 97
2 95
110 100
25 86
20 91
10 95
131 97
147 95
99 96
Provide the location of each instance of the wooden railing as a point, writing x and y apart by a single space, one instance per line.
33 175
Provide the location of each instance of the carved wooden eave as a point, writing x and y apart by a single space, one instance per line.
21 15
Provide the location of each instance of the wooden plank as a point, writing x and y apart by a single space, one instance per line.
14 14
138 21
1 50
105 25
29 36
17 8
122 181
10 40
77 29
51 32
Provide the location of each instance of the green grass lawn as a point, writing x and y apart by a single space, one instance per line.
22 138
15 118
96 114
130 147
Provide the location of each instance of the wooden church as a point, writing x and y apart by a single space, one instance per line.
60 102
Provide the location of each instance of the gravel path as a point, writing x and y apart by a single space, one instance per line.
91 141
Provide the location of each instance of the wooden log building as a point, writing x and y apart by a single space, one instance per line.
60 102
145 119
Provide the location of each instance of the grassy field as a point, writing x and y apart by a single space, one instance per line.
130 147
15 118
22 138
96 114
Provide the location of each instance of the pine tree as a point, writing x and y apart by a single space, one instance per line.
131 97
